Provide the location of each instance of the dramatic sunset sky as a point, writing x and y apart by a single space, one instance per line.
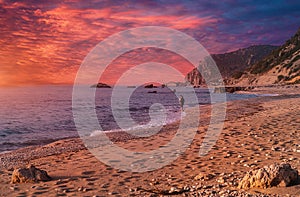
44 42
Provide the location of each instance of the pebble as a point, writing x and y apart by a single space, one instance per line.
186 188
228 155
113 193
221 180
275 148
13 188
207 186
173 189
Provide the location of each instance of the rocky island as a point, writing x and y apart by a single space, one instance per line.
100 85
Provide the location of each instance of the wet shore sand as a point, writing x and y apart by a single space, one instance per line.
257 132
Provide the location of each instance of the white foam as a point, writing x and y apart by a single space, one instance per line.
267 94
154 124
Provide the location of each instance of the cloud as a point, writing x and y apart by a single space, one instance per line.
45 41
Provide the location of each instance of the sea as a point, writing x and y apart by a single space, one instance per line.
43 114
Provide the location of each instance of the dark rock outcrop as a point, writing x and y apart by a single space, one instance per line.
232 89
150 86
100 85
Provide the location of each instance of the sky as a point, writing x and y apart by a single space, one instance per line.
45 42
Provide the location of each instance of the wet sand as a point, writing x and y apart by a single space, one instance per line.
256 132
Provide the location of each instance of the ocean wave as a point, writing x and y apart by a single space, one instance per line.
154 124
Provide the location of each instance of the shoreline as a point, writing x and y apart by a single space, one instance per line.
268 94
37 142
273 90
257 132
115 136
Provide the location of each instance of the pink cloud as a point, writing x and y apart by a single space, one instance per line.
48 45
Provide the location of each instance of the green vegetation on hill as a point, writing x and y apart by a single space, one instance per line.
279 55
233 63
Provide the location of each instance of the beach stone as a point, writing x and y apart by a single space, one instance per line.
205 177
221 180
13 188
85 189
173 189
31 174
269 176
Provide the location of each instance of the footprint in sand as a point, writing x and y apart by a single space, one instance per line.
88 172
91 179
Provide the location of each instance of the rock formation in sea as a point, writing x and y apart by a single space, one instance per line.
100 85
150 86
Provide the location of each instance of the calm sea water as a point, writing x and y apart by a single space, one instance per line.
39 115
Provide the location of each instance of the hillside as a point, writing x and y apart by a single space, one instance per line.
234 63
282 66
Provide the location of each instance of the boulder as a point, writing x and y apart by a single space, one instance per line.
269 176
30 174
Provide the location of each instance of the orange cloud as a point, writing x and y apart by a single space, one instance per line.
143 55
41 46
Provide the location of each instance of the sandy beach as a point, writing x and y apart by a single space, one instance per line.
257 132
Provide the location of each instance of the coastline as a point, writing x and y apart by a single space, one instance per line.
273 90
252 129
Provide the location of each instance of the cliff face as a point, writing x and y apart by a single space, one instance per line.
233 63
194 77
237 61
282 66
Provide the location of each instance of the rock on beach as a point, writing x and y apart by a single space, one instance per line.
30 174
269 176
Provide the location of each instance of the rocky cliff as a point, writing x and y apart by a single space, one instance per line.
282 66
233 63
